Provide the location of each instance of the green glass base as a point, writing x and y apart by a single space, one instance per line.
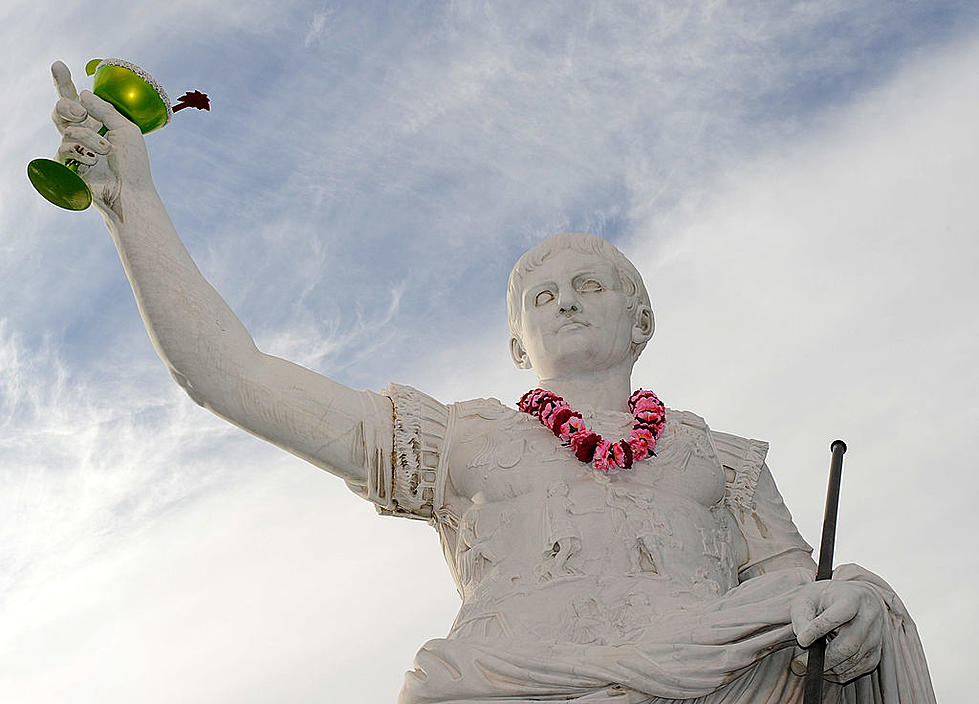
59 184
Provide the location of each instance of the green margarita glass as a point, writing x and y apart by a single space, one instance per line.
135 94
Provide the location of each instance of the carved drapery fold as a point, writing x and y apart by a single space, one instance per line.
416 481
375 446
744 458
735 649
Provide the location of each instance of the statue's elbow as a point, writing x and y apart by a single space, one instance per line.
184 383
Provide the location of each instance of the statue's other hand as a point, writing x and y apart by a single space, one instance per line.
851 615
109 163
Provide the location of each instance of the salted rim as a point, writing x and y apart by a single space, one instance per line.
146 77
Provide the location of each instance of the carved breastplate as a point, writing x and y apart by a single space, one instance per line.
540 525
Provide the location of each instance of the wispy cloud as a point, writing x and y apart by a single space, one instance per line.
319 25
81 464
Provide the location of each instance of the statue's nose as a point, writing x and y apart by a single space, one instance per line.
568 301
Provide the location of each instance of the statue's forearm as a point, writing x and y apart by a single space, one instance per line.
196 334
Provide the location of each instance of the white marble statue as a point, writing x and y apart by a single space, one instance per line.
680 578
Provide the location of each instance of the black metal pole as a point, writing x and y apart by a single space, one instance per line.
817 651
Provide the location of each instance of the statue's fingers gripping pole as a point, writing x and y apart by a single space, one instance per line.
817 651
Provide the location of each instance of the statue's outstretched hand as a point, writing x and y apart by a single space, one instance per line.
111 163
851 615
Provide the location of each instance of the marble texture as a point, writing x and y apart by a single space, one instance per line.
683 578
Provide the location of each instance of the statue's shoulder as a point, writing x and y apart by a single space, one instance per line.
479 417
485 408
741 458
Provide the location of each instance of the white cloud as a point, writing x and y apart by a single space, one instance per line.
319 25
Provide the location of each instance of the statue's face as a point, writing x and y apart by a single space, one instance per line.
575 317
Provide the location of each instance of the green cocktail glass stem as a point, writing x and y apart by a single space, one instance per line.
73 163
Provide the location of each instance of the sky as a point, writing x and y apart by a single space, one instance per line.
795 180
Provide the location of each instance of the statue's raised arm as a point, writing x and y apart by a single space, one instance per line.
204 345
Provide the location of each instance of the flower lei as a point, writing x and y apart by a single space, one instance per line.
588 446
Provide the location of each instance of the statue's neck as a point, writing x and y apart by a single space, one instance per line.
608 390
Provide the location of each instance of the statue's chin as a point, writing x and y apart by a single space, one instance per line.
580 350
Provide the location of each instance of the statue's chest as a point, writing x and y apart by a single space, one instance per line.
532 528
499 454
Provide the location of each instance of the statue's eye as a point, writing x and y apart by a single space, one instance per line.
590 286
543 297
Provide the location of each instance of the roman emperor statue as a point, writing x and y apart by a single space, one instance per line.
605 548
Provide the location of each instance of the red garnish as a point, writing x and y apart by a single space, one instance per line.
194 99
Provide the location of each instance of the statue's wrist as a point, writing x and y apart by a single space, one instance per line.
131 202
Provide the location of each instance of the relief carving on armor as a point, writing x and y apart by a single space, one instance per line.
561 540
480 544
585 623
684 436
633 616
716 542
587 620
646 529
506 439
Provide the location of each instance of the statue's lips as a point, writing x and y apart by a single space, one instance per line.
573 325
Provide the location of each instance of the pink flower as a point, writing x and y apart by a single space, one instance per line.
622 454
640 449
647 404
643 396
573 425
650 417
643 434
603 456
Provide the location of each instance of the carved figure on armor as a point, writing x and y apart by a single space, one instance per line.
561 539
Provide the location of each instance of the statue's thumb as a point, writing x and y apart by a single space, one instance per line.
102 111
800 661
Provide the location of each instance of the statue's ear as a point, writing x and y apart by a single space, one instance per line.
645 325
519 355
